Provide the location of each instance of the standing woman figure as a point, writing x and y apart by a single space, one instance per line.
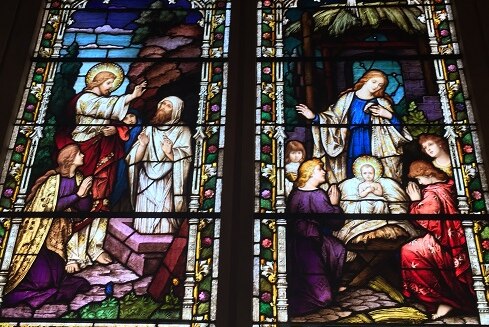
361 122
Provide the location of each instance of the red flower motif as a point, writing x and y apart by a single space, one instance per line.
267 36
30 108
485 244
208 193
267 3
266 243
212 149
477 195
468 149
48 36
266 149
20 148
206 242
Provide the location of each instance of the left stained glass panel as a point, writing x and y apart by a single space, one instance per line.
113 176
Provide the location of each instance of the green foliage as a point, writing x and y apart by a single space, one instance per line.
336 21
265 158
265 285
203 308
107 309
343 21
265 139
469 158
2 230
485 233
266 309
266 116
211 182
44 159
207 204
210 158
266 204
462 115
486 257
16 157
206 253
416 122
28 116
156 22
5 203
206 283
137 307
478 205
266 254
265 231
166 314
475 184
63 89
71 315
291 116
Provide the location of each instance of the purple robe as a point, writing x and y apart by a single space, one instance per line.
47 280
315 259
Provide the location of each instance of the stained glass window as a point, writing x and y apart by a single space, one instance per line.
171 252
368 167
111 192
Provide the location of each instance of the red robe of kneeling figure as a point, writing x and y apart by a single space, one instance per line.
436 267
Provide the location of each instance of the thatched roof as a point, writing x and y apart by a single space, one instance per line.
336 19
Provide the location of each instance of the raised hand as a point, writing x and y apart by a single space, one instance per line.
143 139
305 111
139 89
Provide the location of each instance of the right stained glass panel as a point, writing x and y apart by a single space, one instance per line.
363 113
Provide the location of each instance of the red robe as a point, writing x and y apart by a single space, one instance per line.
436 267
101 155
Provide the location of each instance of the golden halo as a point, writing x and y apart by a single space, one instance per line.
106 67
369 160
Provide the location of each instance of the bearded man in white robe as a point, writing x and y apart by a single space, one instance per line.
159 164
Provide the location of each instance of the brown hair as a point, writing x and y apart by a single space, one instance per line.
99 79
442 143
426 169
294 146
65 159
305 171
368 75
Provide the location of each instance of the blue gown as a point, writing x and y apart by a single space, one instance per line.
360 142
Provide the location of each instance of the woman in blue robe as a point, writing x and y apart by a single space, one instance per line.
133 121
361 122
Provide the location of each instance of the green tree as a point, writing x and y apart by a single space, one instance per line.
63 88
62 92
156 22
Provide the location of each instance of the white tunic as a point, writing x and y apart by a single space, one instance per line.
158 183
94 112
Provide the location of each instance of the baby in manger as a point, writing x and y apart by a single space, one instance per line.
369 192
